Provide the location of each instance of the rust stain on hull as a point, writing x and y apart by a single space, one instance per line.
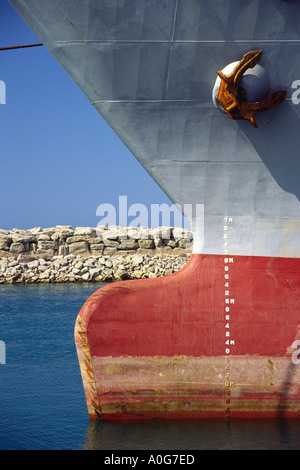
131 388
86 368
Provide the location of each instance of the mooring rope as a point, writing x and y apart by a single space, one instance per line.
20 47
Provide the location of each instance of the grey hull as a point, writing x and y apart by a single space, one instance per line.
149 67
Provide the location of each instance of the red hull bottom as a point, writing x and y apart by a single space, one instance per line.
216 339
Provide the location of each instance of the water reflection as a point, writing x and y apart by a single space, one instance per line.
195 435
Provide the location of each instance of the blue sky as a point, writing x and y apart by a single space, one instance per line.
59 158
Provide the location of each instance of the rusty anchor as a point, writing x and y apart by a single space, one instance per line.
232 97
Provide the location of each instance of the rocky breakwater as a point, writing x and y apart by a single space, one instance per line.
87 254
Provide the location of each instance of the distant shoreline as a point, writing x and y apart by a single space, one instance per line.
86 254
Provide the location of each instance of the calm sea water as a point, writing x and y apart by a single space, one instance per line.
42 403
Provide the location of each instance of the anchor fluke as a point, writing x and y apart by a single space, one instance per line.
231 97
